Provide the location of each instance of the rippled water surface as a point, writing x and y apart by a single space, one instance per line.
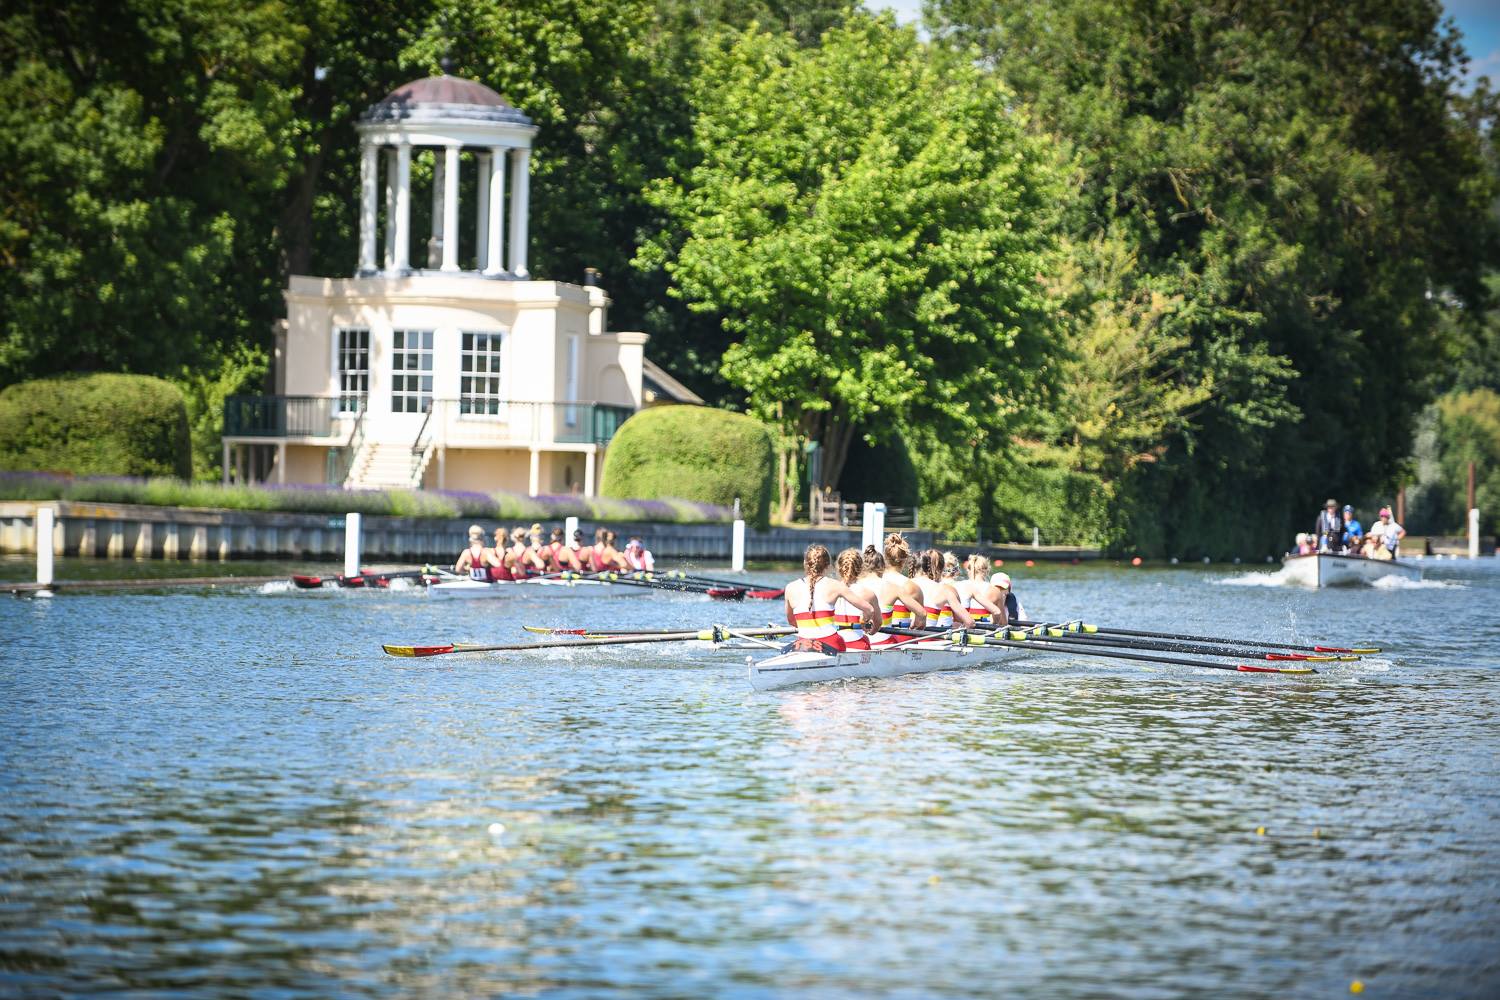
237 792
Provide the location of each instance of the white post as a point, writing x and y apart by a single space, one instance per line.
482 216
44 522
737 546
1036 538
520 183
1473 532
368 166
589 459
495 262
877 524
351 543
450 210
570 525
867 526
402 225
535 485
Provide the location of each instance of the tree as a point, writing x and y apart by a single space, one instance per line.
870 220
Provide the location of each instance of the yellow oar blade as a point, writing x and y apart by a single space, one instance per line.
416 650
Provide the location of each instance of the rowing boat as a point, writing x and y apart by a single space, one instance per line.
922 657
1324 569
469 589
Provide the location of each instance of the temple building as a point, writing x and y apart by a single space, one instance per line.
454 370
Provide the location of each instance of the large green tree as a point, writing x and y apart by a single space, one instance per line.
870 221
1303 184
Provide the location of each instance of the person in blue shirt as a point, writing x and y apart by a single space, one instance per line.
1354 532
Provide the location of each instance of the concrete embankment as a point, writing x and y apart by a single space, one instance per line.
129 531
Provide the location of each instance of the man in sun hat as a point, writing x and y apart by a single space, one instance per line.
1013 609
1329 529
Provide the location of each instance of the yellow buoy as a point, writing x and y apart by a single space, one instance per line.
1356 987
1260 831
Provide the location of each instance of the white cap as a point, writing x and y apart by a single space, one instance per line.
1001 580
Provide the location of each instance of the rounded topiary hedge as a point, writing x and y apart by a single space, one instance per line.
93 425
696 453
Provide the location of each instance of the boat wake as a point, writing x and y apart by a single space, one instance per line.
1278 578
1401 583
275 587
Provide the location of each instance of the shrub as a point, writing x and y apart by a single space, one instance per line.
695 453
125 425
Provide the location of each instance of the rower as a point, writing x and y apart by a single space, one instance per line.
905 609
889 593
499 568
471 560
638 557
984 600
531 558
944 606
1013 609
561 557
845 615
810 605
615 557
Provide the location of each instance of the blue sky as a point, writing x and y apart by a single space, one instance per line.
1479 20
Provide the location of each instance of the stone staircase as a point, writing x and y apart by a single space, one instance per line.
385 465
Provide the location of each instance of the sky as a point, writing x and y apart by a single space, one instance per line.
1479 20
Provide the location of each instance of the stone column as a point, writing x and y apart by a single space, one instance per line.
450 209
435 245
495 263
390 207
402 225
482 215
368 182
520 182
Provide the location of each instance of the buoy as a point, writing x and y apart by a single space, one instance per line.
999 563
1174 560
1136 561
1029 563
1205 560
1356 987
497 830
1260 831
1236 560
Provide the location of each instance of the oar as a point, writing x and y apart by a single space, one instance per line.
1107 630
1049 646
605 633
517 647
1061 634
636 580
307 582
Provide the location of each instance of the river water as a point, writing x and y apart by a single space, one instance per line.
237 792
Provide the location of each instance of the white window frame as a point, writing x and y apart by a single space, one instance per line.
425 348
343 396
496 352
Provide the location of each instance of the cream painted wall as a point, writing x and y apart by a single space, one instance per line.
306 464
483 470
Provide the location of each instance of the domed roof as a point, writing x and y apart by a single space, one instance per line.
443 97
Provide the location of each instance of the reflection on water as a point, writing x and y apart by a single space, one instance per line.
240 794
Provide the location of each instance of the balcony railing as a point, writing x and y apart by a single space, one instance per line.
286 416
450 422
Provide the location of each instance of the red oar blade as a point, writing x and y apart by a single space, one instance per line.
766 595
351 581
726 593
307 582
1285 656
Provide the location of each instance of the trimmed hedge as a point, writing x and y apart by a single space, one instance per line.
333 500
697 452
122 425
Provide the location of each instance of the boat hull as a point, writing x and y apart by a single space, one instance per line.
546 589
1324 570
789 669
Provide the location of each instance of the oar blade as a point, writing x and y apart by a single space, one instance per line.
307 582
394 650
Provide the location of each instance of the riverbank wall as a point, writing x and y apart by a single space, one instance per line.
129 531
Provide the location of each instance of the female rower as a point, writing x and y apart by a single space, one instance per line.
845 615
612 555
985 601
810 605
560 556
944 607
888 594
906 607
499 558
471 560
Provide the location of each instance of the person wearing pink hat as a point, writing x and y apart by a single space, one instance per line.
1387 534
1013 609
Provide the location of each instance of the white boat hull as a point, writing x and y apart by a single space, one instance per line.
546 589
1323 570
787 669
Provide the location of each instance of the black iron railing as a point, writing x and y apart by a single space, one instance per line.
286 416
